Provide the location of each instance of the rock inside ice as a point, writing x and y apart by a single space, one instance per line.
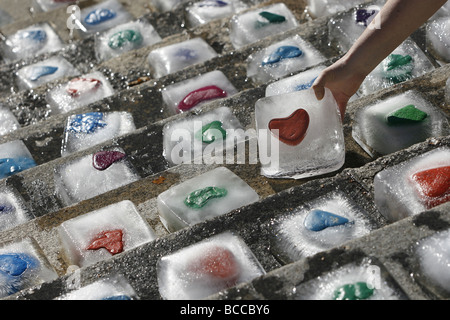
298 135
438 37
397 123
207 10
201 138
413 186
206 196
175 57
207 267
103 233
13 211
283 58
249 27
319 225
187 94
80 180
321 8
124 38
14 158
86 130
45 71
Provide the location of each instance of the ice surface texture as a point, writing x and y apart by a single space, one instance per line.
202 12
13 211
249 27
176 214
207 267
374 130
270 63
175 57
310 138
8 121
78 234
321 8
14 158
438 37
398 193
294 240
181 92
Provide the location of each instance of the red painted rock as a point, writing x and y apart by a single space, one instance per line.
104 159
291 130
220 264
200 95
433 185
80 86
109 240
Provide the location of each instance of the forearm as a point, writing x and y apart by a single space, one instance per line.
397 20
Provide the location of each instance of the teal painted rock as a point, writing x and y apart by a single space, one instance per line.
211 132
406 115
357 291
398 68
282 53
269 18
121 38
318 220
200 198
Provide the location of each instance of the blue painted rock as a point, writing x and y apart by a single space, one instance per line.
99 16
11 166
282 53
42 71
213 3
87 123
318 220
305 86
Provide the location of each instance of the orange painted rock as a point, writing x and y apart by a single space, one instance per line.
291 130
433 185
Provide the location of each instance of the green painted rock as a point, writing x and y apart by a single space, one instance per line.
398 68
357 291
211 132
406 115
198 199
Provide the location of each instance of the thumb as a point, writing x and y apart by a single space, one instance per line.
319 87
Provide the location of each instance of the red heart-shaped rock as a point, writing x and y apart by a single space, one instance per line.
291 130
433 185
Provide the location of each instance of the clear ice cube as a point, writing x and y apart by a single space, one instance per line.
40 73
406 62
202 12
86 130
93 175
206 268
188 94
206 196
103 233
13 211
321 8
299 136
199 137
413 186
31 42
281 59
14 158
175 57
296 237
438 38
249 27
397 123
79 92
124 38
8 121
22 266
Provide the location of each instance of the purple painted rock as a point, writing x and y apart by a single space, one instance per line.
104 159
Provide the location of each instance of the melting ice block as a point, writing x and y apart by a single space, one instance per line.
298 135
103 16
86 130
397 123
79 92
283 58
49 5
167 5
249 27
199 137
206 196
207 267
202 12
8 121
404 63
319 225
112 288
93 175
45 71
124 38
103 233
355 281
31 42
22 266
188 94
434 257
14 158
321 8
13 211
438 37
414 186
175 57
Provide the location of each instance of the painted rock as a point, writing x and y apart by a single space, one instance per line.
6 208
433 185
268 19
42 71
186 54
318 220
406 115
398 68
212 3
109 240
305 86
200 198
104 159
99 16
282 53
357 291
121 38
363 16
218 263
11 166
13 264
291 130
87 123
38 36
80 86
200 95
208 134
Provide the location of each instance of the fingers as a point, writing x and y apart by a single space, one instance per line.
319 87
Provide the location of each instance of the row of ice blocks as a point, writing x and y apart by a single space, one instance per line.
397 123
413 186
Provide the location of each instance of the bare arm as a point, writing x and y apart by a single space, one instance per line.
397 20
